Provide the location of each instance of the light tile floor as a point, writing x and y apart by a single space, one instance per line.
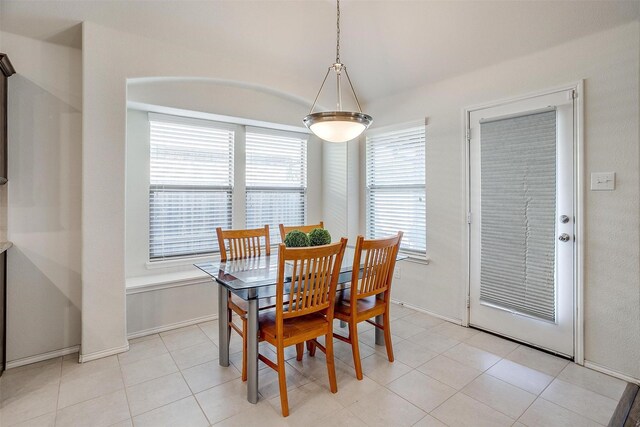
444 375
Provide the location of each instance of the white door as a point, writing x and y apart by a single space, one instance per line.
522 220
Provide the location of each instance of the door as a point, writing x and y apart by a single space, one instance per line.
522 220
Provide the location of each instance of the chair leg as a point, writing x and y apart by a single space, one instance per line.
387 335
230 319
244 350
311 346
299 351
355 348
331 367
282 380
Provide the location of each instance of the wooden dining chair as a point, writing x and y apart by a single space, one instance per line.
311 295
369 294
304 228
239 244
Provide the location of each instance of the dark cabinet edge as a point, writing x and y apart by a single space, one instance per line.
4 246
5 65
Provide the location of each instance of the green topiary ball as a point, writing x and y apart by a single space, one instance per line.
319 237
296 239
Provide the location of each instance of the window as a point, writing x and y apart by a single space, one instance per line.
191 185
276 179
396 187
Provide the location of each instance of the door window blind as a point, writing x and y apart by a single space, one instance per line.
518 204
396 187
276 179
191 184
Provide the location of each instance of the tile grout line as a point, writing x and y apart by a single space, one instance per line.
539 396
55 412
584 388
495 409
475 378
457 391
525 411
55 418
434 379
429 415
185 380
392 392
570 410
472 398
126 395
173 331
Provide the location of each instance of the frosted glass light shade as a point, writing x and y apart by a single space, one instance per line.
337 126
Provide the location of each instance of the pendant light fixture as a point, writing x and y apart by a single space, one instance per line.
337 126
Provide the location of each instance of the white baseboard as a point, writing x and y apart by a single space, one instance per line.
40 357
430 313
103 353
171 326
611 372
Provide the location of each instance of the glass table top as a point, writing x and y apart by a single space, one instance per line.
256 277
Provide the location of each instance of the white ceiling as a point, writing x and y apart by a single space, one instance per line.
387 45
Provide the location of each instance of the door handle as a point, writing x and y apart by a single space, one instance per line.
564 237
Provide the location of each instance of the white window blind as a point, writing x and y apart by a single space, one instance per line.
276 179
396 187
191 184
518 197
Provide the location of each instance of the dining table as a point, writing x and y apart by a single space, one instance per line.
253 279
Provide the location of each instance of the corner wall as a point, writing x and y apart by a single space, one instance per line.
609 64
44 191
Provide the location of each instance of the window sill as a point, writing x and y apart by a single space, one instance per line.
416 259
152 265
155 282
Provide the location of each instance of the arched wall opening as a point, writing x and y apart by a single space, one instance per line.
169 294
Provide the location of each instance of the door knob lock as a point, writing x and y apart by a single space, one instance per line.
564 237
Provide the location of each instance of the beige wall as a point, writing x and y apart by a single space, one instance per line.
45 143
609 64
110 58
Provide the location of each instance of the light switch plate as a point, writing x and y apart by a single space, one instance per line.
603 181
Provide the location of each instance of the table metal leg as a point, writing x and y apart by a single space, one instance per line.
380 332
223 326
252 351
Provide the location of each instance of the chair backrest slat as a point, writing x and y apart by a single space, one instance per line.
314 278
238 244
377 269
304 228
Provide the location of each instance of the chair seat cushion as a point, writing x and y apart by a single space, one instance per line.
343 304
292 327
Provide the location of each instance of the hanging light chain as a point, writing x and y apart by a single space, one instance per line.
337 126
338 34
338 68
